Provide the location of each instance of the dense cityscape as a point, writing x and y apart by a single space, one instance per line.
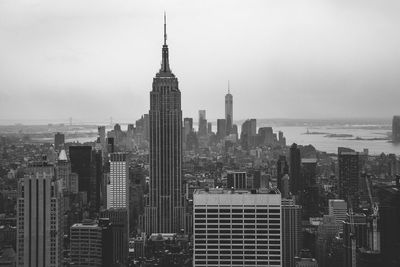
171 191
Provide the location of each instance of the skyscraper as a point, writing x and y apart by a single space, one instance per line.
349 177
237 228
117 189
202 123
229 111
396 129
295 169
165 210
291 232
282 168
59 140
221 128
338 208
39 215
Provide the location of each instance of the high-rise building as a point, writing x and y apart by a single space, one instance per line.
81 164
248 134
396 129
285 186
325 235
119 224
295 169
349 177
338 208
359 225
165 210
221 128
202 123
237 228
117 189
282 168
103 142
236 179
209 128
92 244
187 126
39 218
291 232
59 140
229 111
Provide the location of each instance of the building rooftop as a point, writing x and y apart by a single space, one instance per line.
215 191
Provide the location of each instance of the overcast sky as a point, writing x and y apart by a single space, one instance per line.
93 59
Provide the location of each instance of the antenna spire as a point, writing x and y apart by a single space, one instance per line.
229 88
165 28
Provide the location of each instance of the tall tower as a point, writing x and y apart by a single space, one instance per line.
39 220
165 210
229 110
117 189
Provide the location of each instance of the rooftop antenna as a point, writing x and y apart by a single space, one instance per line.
165 28
229 88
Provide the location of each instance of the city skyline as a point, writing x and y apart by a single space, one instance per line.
78 54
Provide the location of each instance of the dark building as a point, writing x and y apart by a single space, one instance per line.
248 134
309 196
349 177
110 145
229 111
59 140
221 128
291 232
118 223
396 129
388 223
202 123
165 210
87 163
282 168
295 169
360 234
265 136
237 180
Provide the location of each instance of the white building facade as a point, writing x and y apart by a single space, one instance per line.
237 228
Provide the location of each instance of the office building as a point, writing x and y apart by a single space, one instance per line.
248 134
91 244
349 177
282 168
326 233
81 164
59 140
165 210
119 223
265 136
285 186
202 123
39 218
295 169
359 225
228 112
237 228
338 208
396 129
117 189
236 180
221 128
291 232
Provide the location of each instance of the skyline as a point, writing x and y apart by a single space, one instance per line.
74 56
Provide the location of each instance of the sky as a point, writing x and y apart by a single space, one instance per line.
95 59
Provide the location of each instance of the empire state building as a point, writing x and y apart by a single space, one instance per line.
164 212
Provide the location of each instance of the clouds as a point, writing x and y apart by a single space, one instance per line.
288 58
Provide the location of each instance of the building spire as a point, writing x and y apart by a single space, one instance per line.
165 28
229 88
165 61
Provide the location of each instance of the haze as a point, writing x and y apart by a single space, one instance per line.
92 59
